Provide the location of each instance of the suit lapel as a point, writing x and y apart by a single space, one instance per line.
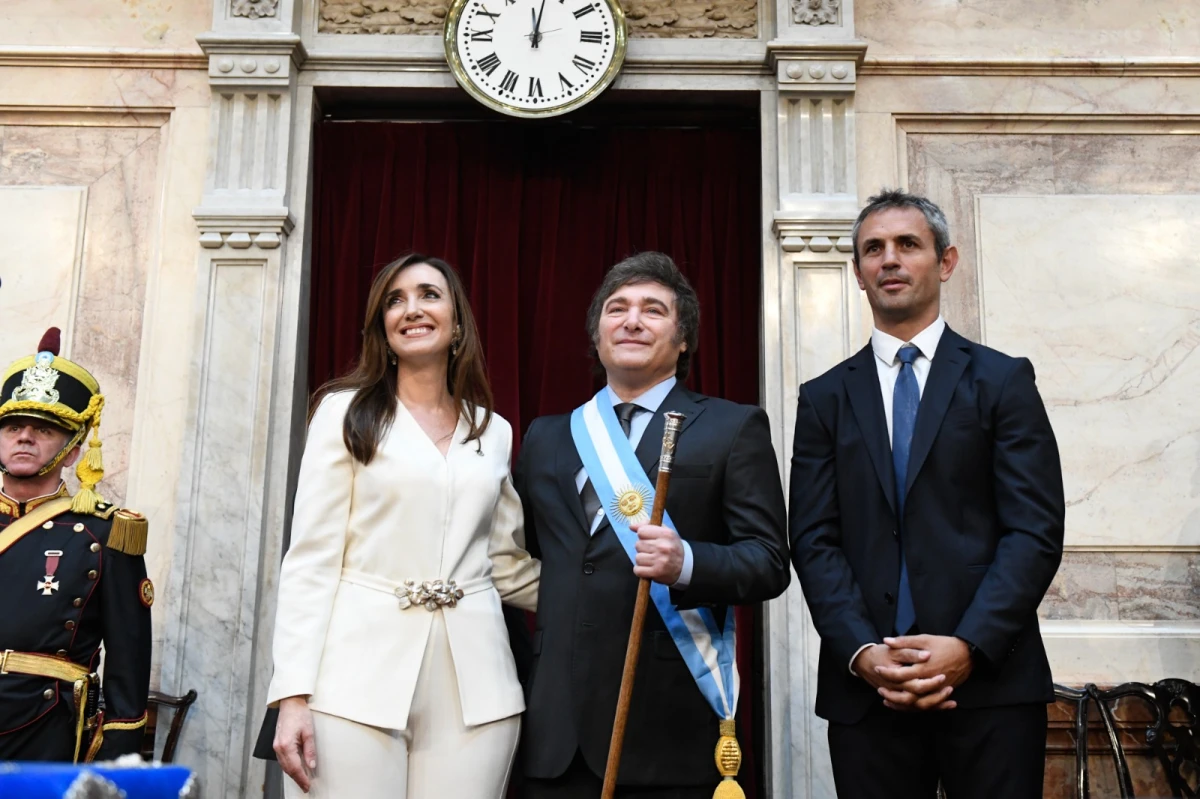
649 448
949 362
566 467
866 399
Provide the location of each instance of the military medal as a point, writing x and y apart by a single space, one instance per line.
49 585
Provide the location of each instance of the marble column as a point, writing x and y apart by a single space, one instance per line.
812 320
230 519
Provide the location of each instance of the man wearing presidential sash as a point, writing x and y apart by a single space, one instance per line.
587 482
72 575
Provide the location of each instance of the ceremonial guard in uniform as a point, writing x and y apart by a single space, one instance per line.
72 576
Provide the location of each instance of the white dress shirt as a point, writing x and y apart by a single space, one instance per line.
648 404
886 347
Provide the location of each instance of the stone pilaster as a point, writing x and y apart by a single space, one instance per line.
230 520
814 298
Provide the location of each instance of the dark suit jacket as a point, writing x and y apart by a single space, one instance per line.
727 501
983 525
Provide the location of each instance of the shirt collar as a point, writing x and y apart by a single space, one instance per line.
886 345
648 400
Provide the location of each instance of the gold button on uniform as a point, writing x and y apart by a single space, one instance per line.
48 526
70 625
93 574
94 547
48 693
78 602
79 527
62 653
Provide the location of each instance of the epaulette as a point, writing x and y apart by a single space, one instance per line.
129 531
105 510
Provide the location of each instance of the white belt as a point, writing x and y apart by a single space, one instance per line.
429 594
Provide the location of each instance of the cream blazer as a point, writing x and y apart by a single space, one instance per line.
342 637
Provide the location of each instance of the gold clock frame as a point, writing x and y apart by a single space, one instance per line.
449 41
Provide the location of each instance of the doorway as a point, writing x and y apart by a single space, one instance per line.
532 213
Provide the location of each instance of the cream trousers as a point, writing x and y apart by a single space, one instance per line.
436 757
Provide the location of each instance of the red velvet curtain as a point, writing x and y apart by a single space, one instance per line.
532 215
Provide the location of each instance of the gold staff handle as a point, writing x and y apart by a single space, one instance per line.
671 430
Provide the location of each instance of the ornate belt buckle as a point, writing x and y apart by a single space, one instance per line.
431 594
404 594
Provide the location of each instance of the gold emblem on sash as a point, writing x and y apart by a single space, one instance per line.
630 503
729 760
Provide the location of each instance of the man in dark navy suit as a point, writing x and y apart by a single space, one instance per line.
926 525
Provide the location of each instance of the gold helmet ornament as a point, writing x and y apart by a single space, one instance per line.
48 386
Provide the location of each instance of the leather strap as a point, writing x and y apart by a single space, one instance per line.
33 520
41 666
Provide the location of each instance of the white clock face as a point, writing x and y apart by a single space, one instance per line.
535 57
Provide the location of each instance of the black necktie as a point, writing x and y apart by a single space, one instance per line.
591 503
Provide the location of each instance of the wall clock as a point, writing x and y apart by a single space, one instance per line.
535 58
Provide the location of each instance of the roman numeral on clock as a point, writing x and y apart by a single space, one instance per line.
591 37
583 12
481 36
535 87
487 13
510 81
583 64
489 63
566 84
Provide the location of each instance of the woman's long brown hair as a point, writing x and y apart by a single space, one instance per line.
373 379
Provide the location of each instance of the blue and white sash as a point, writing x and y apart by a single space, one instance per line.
627 496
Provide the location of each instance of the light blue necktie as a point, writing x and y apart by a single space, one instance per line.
906 399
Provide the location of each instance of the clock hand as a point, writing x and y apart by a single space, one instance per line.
537 24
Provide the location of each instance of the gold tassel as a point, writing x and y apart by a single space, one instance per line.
729 760
129 532
90 472
84 501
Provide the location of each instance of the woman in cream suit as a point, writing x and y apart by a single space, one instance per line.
393 672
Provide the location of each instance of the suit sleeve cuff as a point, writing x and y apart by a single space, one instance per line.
854 657
685 574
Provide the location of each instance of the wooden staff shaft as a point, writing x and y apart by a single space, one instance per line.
632 650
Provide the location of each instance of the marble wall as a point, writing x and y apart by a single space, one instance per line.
1072 262
1073 221
999 29
103 182
56 25
103 142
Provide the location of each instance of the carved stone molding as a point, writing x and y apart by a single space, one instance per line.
824 68
253 9
660 19
816 12
98 57
264 60
240 230
801 234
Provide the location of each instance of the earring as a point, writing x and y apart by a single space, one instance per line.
455 340
392 359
